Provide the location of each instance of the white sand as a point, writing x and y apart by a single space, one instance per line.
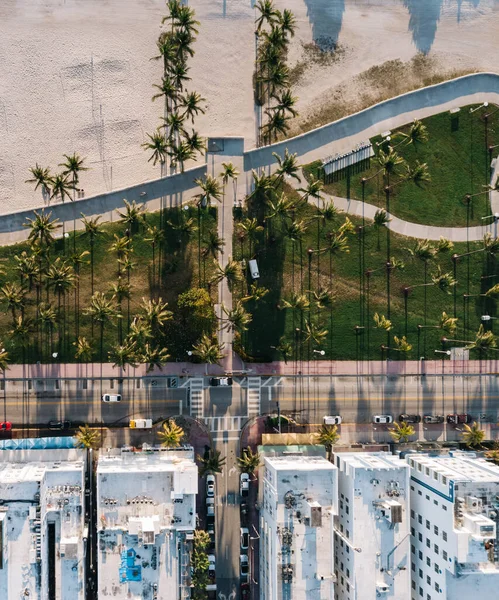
75 75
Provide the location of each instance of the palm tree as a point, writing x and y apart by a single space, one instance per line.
285 102
42 228
255 293
167 90
61 187
170 434
210 190
417 174
211 463
232 272
15 296
322 298
41 177
214 243
208 350
120 291
287 22
140 332
154 357
155 314
28 268
122 246
185 20
251 229
314 333
103 311
194 143
84 350
158 147
268 14
87 437
73 167
133 215
91 226
381 322
155 236
22 333
297 302
181 153
190 102
237 317
444 245
473 436
389 161
381 219
401 432
47 318
285 349
328 436
249 461
277 124
122 355
417 134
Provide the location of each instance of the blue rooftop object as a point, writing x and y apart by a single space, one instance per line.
45 443
129 571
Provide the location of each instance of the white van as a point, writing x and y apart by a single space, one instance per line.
111 398
253 267
332 420
140 423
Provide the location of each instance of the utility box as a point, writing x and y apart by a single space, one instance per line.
140 423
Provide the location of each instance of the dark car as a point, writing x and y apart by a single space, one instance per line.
5 426
459 419
60 425
244 514
245 591
410 418
430 419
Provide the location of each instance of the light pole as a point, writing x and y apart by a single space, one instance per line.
321 352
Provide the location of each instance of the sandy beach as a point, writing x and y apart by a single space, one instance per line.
76 75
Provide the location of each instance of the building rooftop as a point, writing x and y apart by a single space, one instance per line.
42 523
370 461
146 503
459 466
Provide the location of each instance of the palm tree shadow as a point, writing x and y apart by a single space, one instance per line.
326 19
423 22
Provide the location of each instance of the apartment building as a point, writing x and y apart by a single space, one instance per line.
372 535
146 507
43 537
297 507
454 527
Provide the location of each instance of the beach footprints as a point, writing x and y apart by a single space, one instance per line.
98 78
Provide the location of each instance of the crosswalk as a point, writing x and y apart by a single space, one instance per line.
254 393
196 397
219 424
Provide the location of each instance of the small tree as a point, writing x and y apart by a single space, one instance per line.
171 434
87 437
401 432
249 461
328 436
473 436
211 462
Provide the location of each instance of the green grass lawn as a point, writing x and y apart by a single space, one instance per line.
458 163
174 270
284 267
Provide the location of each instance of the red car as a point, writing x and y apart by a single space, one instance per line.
245 591
5 426
458 419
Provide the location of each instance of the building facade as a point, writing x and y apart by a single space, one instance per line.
297 508
372 534
454 527
146 516
43 537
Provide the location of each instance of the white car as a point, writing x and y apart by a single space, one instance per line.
111 398
244 484
244 567
210 486
244 538
210 507
382 419
332 420
220 381
211 566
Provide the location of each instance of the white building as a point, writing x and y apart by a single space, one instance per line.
298 504
372 535
146 515
42 530
454 518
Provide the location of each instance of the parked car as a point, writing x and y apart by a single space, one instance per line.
210 520
245 591
210 486
244 514
244 484
5 426
244 567
59 425
210 507
458 419
382 419
211 566
430 419
111 398
332 420
410 418
244 538
210 528
220 381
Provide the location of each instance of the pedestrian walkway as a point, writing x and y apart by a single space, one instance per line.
196 397
416 230
254 396
227 423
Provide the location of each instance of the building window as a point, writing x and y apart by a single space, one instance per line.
341 504
348 587
342 567
420 572
435 476
421 591
413 532
435 529
348 550
413 567
347 510
420 519
420 555
341 543
413 549
420 492
437 568
420 537
435 547
444 535
435 502
341 528
427 470
427 524
412 488
428 561
437 587
428 498
428 597
348 534
413 585
336 559
412 513
444 506
428 545
348 573
428 580
444 480
444 554
419 466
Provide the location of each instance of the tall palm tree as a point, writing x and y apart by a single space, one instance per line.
212 463
84 350
210 190
22 333
170 434
287 22
278 123
251 229
232 272
15 296
190 102
237 318
140 332
181 153
120 291
27 265
61 187
401 432
285 102
122 246
229 172
208 350
87 437
249 461
328 436
155 314
381 219
158 148
314 333
122 355
473 436
103 311
154 357
268 14
42 228
417 134
155 236
72 167
92 229
214 243
41 177
47 319
133 215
